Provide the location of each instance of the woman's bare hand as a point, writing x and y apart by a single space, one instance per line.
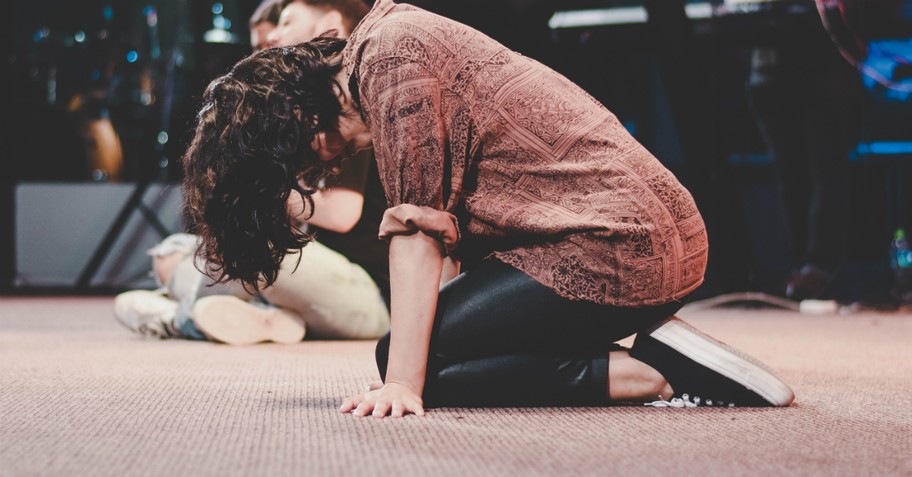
391 399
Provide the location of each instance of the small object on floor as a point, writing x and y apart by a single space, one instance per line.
147 312
818 307
230 320
703 371
686 401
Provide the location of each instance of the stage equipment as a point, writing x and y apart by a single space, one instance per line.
155 88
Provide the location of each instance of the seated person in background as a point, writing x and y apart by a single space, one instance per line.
262 22
340 289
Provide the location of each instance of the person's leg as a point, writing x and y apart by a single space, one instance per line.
174 268
335 298
776 101
832 125
501 338
189 305
222 312
332 296
159 313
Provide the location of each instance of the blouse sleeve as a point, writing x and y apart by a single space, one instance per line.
402 104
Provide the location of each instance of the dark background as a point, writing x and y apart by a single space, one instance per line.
679 88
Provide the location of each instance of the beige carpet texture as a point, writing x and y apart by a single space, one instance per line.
82 396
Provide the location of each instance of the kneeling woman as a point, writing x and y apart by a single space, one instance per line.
573 235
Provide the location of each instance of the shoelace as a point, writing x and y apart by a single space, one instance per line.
167 330
686 401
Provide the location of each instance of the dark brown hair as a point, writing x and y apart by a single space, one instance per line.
250 148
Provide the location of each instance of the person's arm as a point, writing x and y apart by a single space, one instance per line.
416 261
336 210
403 103
339 206
420 238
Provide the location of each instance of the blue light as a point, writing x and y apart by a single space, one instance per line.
885 147
217 8
132 56
42 33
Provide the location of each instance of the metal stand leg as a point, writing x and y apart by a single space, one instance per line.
83 283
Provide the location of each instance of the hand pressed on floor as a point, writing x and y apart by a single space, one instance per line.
391 399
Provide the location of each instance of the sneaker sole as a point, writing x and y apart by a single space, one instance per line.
724 359
230 320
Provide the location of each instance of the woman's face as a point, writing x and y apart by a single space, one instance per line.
332 148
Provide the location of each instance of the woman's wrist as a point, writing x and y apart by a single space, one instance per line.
411 386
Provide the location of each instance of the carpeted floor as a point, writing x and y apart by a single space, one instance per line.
81 396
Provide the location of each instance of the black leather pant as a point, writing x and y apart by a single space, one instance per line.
502 339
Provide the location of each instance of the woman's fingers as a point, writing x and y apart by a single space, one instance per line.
381 409
348 404
395 401
363 409
416 409
398 409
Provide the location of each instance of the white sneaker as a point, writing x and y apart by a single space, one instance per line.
230 320
147 312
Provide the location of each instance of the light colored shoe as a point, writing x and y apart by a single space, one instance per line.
147 312
234 321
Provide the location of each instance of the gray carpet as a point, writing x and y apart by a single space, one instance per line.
81 396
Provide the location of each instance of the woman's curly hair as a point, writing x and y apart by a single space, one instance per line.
251 149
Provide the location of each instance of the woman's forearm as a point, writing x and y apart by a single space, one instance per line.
416 262
336 210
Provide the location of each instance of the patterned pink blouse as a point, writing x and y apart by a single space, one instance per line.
539 173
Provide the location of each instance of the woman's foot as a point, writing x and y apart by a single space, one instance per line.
631 380
703 371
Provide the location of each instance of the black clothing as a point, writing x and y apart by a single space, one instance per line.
502 339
